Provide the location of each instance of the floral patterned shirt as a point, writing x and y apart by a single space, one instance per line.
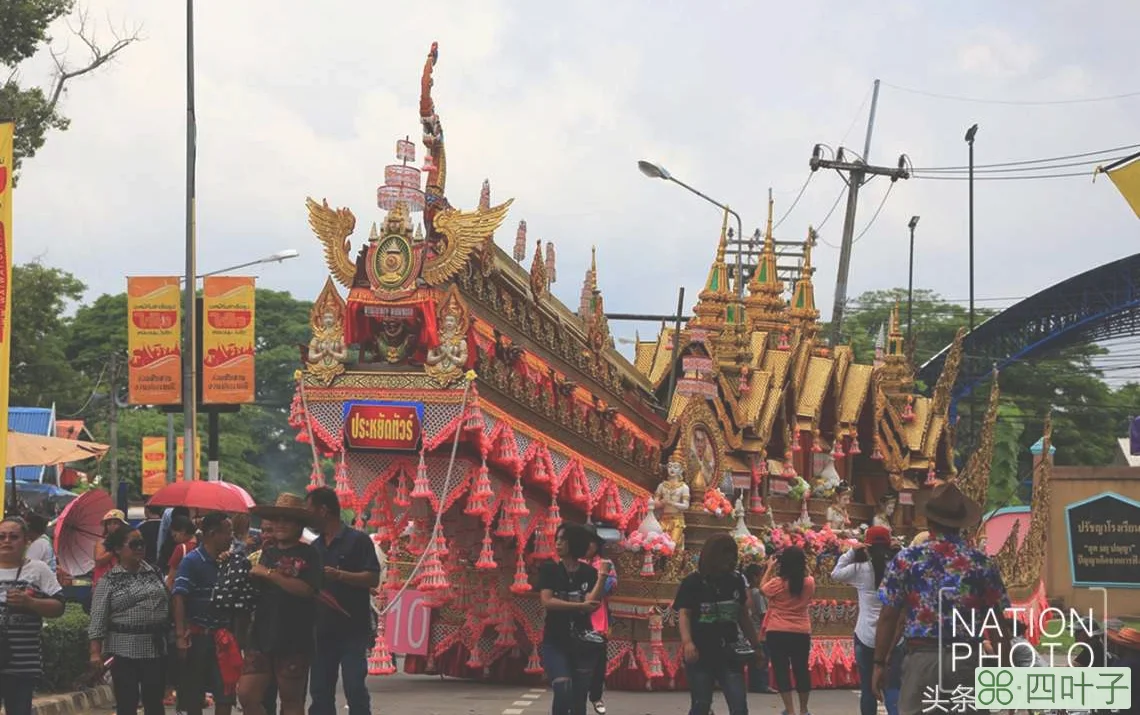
946 569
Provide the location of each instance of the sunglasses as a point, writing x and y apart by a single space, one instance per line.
137 544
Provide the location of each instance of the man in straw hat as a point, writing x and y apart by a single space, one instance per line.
288 574
933 588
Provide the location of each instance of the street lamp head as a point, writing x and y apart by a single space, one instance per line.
653 171
913 222
281 256
970 134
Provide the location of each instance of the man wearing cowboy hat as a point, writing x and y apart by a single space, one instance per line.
284 616
933 588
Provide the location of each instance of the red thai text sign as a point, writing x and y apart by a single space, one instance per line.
408 626
383 425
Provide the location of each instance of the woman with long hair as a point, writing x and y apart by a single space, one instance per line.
570 591
712 604
789 590
863 567
130 621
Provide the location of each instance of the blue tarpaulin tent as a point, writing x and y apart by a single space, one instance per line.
31 420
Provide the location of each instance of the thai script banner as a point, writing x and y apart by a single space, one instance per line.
7 136
180 457
154 335
228 340
153 465
383 425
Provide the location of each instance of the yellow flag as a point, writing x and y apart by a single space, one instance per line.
7 135
1127 180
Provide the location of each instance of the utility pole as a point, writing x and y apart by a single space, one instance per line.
113 422
857 172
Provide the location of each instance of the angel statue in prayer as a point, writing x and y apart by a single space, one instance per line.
885 514
327 351
447 362
672 498
837 516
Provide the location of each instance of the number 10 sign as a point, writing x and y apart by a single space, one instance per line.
408 625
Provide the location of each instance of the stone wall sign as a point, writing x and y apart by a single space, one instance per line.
1104 541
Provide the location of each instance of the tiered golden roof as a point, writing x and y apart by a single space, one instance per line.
713 301
765 303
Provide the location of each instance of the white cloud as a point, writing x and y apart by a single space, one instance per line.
994 53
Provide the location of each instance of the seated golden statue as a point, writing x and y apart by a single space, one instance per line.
672 498
327 351
448 361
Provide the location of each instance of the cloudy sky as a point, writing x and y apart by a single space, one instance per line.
555 103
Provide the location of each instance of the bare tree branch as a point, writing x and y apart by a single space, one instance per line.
98 54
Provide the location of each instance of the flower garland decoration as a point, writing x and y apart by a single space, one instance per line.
716 503
657 543
750 548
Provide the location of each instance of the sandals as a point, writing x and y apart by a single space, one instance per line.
600 708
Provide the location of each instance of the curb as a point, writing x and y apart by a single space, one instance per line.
100 696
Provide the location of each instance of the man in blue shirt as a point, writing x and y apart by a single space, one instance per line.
195 621
344 634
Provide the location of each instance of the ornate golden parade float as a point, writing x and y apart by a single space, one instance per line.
468 412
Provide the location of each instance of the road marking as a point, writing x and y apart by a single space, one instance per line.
532 696
525 700
522 703
513 711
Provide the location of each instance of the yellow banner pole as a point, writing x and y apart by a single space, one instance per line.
7 136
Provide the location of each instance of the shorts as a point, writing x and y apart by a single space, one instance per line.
292 666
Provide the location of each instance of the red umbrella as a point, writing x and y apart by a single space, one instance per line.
207 496
79 528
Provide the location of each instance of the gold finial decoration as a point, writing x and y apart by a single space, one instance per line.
803 311
373 234
539 284
710 308
765 304
974 481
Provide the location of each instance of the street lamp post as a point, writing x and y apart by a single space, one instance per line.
910 284
970 134
212 413
189 361
656 171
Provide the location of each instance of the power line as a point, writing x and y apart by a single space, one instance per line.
1066 175
1012 102
1015 169
796 200
882 203
1047 160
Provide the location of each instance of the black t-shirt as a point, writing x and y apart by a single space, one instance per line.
351 550
283 623
573 587
714 605
149 531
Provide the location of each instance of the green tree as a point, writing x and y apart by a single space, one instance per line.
25 25
1005 469
42 371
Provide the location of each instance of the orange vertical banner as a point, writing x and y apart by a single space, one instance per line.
227 340
154 337
180 458
153 464
7 136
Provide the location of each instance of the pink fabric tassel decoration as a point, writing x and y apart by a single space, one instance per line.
647 565
316 479
486 560
380 663
402 498
521 583
421 489
343 486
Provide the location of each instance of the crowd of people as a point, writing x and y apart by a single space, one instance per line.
205 610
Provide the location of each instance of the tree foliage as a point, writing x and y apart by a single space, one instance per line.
24 26
61 355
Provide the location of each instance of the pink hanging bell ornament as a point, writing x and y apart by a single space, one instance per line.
816 445
647 564
853 446
521 584
486 560
517 504
877 454
796 446
402 499
908 409
343 487
757 502
474 420
380 663
837 449
316 479
421 489
534 663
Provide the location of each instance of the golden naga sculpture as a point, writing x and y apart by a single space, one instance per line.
672 498
327 351
447 363
975 478
1021 563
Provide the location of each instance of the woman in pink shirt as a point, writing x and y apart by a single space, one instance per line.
600 619
789 590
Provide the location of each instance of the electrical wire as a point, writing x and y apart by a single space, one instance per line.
795 201
858 113
1047 160
932 177
1092 164
876 214
821 224
1012 102
94 391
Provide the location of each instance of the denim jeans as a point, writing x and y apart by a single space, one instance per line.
865 660
16 694
569 672
894 679
704 675
335 655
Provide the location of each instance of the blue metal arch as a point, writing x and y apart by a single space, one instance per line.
1098 304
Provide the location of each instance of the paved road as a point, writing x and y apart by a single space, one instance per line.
429 695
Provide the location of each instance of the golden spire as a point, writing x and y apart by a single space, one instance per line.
713 300
897 375
803 309
765 302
